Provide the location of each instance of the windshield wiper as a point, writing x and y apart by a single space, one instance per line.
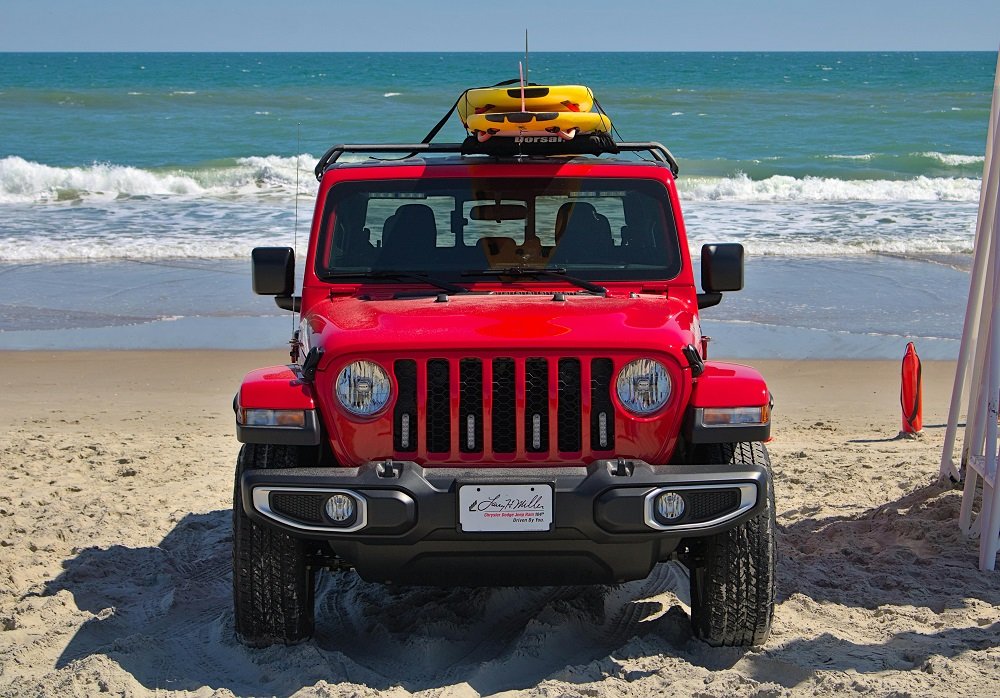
392 274
552 272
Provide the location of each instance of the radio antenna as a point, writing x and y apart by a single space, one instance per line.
528 77
520 69
295 239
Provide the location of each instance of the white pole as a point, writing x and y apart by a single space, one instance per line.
989 537
963 379
975 425
975 428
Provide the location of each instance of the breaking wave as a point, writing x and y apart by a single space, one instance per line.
23 181
821 189
223 209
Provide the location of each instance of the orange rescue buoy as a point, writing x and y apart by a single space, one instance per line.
911 392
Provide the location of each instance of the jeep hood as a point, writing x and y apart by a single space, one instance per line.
478 322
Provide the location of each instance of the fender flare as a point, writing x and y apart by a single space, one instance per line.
278 388
724 384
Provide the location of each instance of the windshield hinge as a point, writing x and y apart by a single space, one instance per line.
311 363
695 361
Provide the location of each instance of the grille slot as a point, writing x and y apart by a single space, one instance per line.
601 371
504 407
438 406
569 415
406 407
536 405
470 405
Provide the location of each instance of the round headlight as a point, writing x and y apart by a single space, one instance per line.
363 388
643 386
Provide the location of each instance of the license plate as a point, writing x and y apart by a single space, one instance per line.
505 507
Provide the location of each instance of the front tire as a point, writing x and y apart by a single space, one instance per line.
733 580
273 581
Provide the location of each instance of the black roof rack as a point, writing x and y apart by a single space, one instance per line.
505 147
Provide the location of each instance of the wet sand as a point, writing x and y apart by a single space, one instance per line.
861 307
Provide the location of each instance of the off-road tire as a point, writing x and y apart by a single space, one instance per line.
273 582
732 584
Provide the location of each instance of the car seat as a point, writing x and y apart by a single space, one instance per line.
583 236
409 239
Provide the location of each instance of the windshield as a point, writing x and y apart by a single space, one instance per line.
590 228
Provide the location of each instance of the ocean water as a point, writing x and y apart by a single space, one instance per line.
159 161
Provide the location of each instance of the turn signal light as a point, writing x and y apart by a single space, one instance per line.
729 416
272 418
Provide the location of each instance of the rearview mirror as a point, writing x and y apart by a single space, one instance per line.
499 212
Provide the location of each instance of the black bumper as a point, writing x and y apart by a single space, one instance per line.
406 529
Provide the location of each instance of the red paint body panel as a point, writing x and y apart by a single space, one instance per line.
276 388
479 322
729 385
638 318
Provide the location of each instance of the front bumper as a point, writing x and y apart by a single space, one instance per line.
407 527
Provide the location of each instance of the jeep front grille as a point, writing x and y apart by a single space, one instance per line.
495 408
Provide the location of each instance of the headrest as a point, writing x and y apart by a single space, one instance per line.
414 222
582 214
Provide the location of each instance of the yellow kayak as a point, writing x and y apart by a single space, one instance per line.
566 125
537 98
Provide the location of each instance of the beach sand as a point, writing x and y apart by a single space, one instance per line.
115 572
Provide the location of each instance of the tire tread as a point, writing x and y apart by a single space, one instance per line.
732 596
272 579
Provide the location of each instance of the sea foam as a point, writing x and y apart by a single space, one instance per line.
105 211
23 181
820 189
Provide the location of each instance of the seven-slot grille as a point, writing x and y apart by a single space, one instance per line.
496 407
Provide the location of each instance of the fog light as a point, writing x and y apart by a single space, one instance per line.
340 508
670 506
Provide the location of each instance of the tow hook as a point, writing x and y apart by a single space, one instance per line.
387 470
621 468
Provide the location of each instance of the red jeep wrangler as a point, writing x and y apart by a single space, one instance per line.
500 378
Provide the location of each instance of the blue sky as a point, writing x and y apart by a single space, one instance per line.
439 25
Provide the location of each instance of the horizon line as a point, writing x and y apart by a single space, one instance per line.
429 51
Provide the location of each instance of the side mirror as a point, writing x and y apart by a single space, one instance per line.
273 270
721 270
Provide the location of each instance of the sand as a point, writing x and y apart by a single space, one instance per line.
115 573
